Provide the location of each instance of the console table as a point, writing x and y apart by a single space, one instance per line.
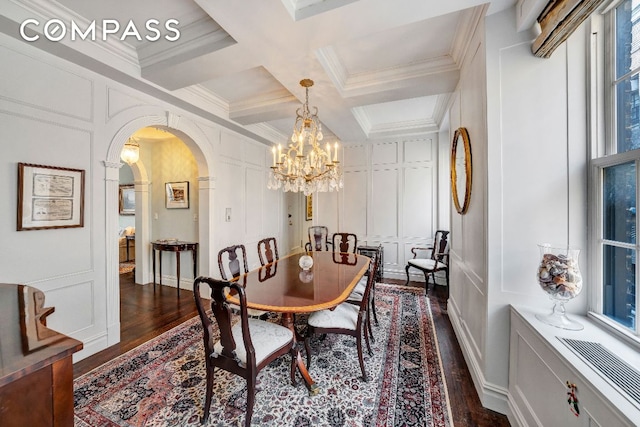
36 369
177 247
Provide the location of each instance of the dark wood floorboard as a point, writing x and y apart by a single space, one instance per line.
146 313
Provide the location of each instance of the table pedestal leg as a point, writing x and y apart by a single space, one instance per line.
287 321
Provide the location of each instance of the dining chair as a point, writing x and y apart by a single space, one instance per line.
268 250
344 242
232 262
244 348
437 261
318 238
358 291
345 319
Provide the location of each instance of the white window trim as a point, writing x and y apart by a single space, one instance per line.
603 139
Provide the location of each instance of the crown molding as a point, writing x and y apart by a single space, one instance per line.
104 50
349 85
268 132
201 36
467 25
198 95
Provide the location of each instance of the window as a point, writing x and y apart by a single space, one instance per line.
617 182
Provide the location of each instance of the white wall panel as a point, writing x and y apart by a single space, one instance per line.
418 202
354 156
255 153
418 151
384 153
117 102
58 251
231 146
384 206
354 202
254 188
48 86
65 300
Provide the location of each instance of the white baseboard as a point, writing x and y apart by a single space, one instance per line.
92 346
491 396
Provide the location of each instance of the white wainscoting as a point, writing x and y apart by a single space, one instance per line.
389 197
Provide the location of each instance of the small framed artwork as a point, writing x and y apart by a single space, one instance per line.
127 200
309 206
49 197
177 195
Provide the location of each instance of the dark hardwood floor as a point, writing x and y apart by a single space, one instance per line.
146 313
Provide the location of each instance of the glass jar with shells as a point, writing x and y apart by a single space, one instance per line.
559 276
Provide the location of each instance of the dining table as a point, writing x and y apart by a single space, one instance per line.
284 287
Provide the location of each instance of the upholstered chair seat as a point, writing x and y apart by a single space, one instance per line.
266 337
344 316
427 264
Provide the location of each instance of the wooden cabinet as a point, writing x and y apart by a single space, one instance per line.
539 368
36 369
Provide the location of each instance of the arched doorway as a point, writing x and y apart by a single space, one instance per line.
200 147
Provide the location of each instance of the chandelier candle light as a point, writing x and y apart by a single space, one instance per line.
304 166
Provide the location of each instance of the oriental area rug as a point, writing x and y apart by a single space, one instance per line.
162 382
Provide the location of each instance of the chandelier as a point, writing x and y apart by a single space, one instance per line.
130 152
303 166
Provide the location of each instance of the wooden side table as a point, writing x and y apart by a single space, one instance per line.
177 247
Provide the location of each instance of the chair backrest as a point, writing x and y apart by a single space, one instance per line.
345 242
319 238
371 279
221 311
229 262
268 250
440 251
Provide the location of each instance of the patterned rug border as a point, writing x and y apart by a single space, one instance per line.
419 292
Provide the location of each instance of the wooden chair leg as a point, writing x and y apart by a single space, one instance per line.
407 270
369 328
373 305
360 359
426 281
251 396
366 339
208 394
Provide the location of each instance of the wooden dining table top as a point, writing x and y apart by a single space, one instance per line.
284 287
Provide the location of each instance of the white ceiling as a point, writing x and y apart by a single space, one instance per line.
381 67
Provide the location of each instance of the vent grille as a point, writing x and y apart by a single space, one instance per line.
618 372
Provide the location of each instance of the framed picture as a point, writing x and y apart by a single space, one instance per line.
49 197
309 206
177 195
127 200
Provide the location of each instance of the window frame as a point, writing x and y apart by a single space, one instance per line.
603 126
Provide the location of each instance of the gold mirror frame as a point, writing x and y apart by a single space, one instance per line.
466 146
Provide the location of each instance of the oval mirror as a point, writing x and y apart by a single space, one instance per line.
461 170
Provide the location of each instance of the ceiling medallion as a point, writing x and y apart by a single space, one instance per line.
303 166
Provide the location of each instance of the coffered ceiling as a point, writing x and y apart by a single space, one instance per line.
381 68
